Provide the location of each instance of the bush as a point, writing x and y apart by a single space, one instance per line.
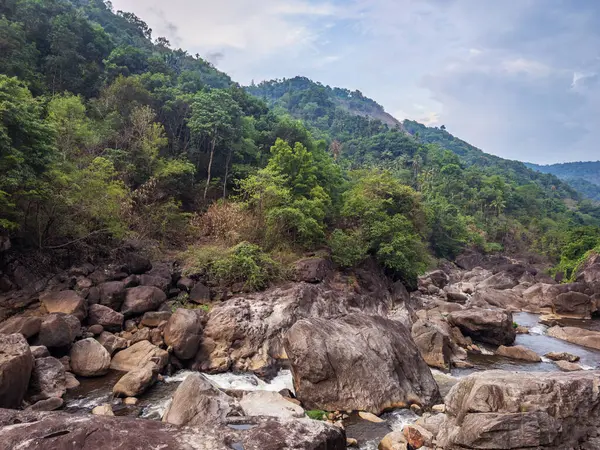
348 248
228 222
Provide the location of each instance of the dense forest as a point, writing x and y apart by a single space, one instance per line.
582 176
107 133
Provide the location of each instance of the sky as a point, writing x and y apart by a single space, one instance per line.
516 78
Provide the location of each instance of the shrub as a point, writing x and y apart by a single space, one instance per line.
316 414
348 248
228 222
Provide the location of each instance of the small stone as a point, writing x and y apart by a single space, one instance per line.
39 351
96 329
370 417
417 436
103 410
439 408
393 441
131 401
562 356
351 442
130 325
416 409
70 381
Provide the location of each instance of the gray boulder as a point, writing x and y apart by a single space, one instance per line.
141 299
183 332
89 358
485 325
16 365
47 379
110 319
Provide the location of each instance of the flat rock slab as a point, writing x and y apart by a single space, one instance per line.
579 336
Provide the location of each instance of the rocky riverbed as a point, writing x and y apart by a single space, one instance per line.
488 353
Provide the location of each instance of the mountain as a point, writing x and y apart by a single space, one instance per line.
582 176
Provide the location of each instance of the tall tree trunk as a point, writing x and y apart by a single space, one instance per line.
210 160
227 162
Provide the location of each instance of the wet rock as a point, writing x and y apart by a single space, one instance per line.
136 382
103 315
16 365
417 436
312 270
47 379
103 410
138 355
573 305
111 342
66 302
28 326
56 331
506 410
141 299
39 351
357 362
567 366
112 294
197 402
271 404
393 441
200 294
49 404
154 318
89 358
183 332
518 352
579 336
562 356
485 325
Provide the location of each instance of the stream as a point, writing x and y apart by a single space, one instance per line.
152 405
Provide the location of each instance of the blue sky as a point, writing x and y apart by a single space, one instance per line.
517 78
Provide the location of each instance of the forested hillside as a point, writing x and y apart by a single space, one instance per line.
107 133
582 176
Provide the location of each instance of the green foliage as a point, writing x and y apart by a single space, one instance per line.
316 414
348 248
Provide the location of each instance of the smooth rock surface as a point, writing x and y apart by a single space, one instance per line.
138 355
485 325
16 365
579 336
110 319
66 302
89 358
141 299
183 332
518 352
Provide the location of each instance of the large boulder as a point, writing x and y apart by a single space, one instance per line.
485 325
518 352
28 326
312 270
16 364
110 319
500 280
89 358
500 298
358 362
58 430
136 382
579 336
56 331
439 278
508 410
200 294
111 342
271 404
433 343
573 305
66 302
112 294
141 299
246 333
138 355
184 331
47 379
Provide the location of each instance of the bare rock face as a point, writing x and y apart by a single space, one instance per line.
312 270
433 343
501 298
579 336
141 299
500 280
358 362
518 352
505 410
138 355
573 305
16 364
246 333
66 302
271 404
110 319
47 379
184 331
62 431
485 325
28 326
89 358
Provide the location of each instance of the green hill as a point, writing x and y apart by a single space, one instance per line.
582 176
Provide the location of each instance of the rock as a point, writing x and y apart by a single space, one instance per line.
66 302
518 352
246 333
439 408
56 331
49 404
506 410
89 358
453 294
197 402
200 294
112 294
500 280
16 365
111 342
130 401
351 442
439 278
579 336
138 355
96 330
74 325
47 379
39 351
562 356
143 334
370 417
158 282
393 441
312 270
154 318
417 436
503 299
485 325
185 284
70 381
103 410
136 382
103 315
433 343
141 299
566 366
573 305
130 326
271 404
357 362
28 326
137 264
183 332
58 430
66 362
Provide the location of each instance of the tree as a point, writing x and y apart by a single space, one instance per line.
216 119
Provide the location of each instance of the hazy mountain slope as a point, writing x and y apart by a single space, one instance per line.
583 176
